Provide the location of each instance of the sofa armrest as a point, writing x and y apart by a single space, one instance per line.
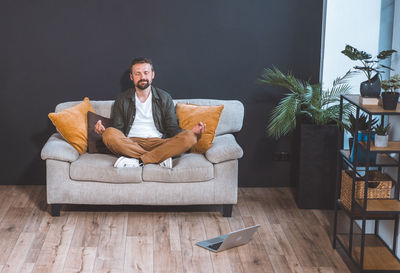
224 148
58 149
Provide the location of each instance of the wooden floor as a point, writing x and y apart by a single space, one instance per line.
289 240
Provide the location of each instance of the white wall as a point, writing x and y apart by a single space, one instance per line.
356 23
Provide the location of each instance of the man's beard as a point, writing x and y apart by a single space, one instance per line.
143 84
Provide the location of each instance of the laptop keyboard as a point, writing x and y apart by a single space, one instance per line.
215 246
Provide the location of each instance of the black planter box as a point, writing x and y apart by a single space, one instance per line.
314 164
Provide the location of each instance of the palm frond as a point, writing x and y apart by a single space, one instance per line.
283 117
276 77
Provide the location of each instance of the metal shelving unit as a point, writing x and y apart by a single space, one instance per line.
368 251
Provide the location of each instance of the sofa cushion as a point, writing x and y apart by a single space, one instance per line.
95 141
231 119
190 115
186 168
99 167
223 149
57 148
72 124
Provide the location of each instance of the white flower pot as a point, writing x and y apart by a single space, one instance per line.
381 141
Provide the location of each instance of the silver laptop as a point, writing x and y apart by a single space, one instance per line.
233 239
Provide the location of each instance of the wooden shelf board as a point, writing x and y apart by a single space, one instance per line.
381 159
358 214
376 255
373 109
392 146
381 205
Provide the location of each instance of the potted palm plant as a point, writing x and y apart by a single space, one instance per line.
390 97
369 65
382 135
311 114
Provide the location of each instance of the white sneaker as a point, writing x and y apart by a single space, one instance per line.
167 163
126 162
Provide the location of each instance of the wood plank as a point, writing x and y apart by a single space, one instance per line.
25 196
110 252
319 270
381 205
392 146
265 231
164 258
55 248
87 231
280 264
27 268
195 258
7 196
17 257
80 259
235 223
299 243
10 228
174 231
139 254
139 243
38 223
289 254
243 197
371 108
36 247
214 227
329 257
253 255
140 224
376 255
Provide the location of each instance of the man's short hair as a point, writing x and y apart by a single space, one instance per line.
141 60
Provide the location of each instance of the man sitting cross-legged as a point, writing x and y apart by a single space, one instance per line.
145 127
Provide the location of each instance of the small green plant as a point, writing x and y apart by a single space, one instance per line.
381 129
369 64
305 100
392 84
350 124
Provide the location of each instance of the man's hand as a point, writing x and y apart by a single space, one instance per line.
99 128
199 128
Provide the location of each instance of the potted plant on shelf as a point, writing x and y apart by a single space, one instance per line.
372 86
382 135
390 97
350 126
312 115
362 125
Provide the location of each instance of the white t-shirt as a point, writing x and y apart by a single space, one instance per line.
143 124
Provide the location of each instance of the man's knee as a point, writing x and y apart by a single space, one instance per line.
110 135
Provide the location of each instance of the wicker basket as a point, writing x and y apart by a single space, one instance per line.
379 187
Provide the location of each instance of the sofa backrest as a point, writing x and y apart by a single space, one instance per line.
231 120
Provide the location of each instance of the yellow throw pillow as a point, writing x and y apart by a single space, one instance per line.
72 124
190 114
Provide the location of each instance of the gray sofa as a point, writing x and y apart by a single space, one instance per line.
195 179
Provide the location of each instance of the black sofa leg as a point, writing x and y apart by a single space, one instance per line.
227 210
55 209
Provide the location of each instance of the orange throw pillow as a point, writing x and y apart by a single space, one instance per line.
189 115
72 124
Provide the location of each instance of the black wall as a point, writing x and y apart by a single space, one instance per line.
55 51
